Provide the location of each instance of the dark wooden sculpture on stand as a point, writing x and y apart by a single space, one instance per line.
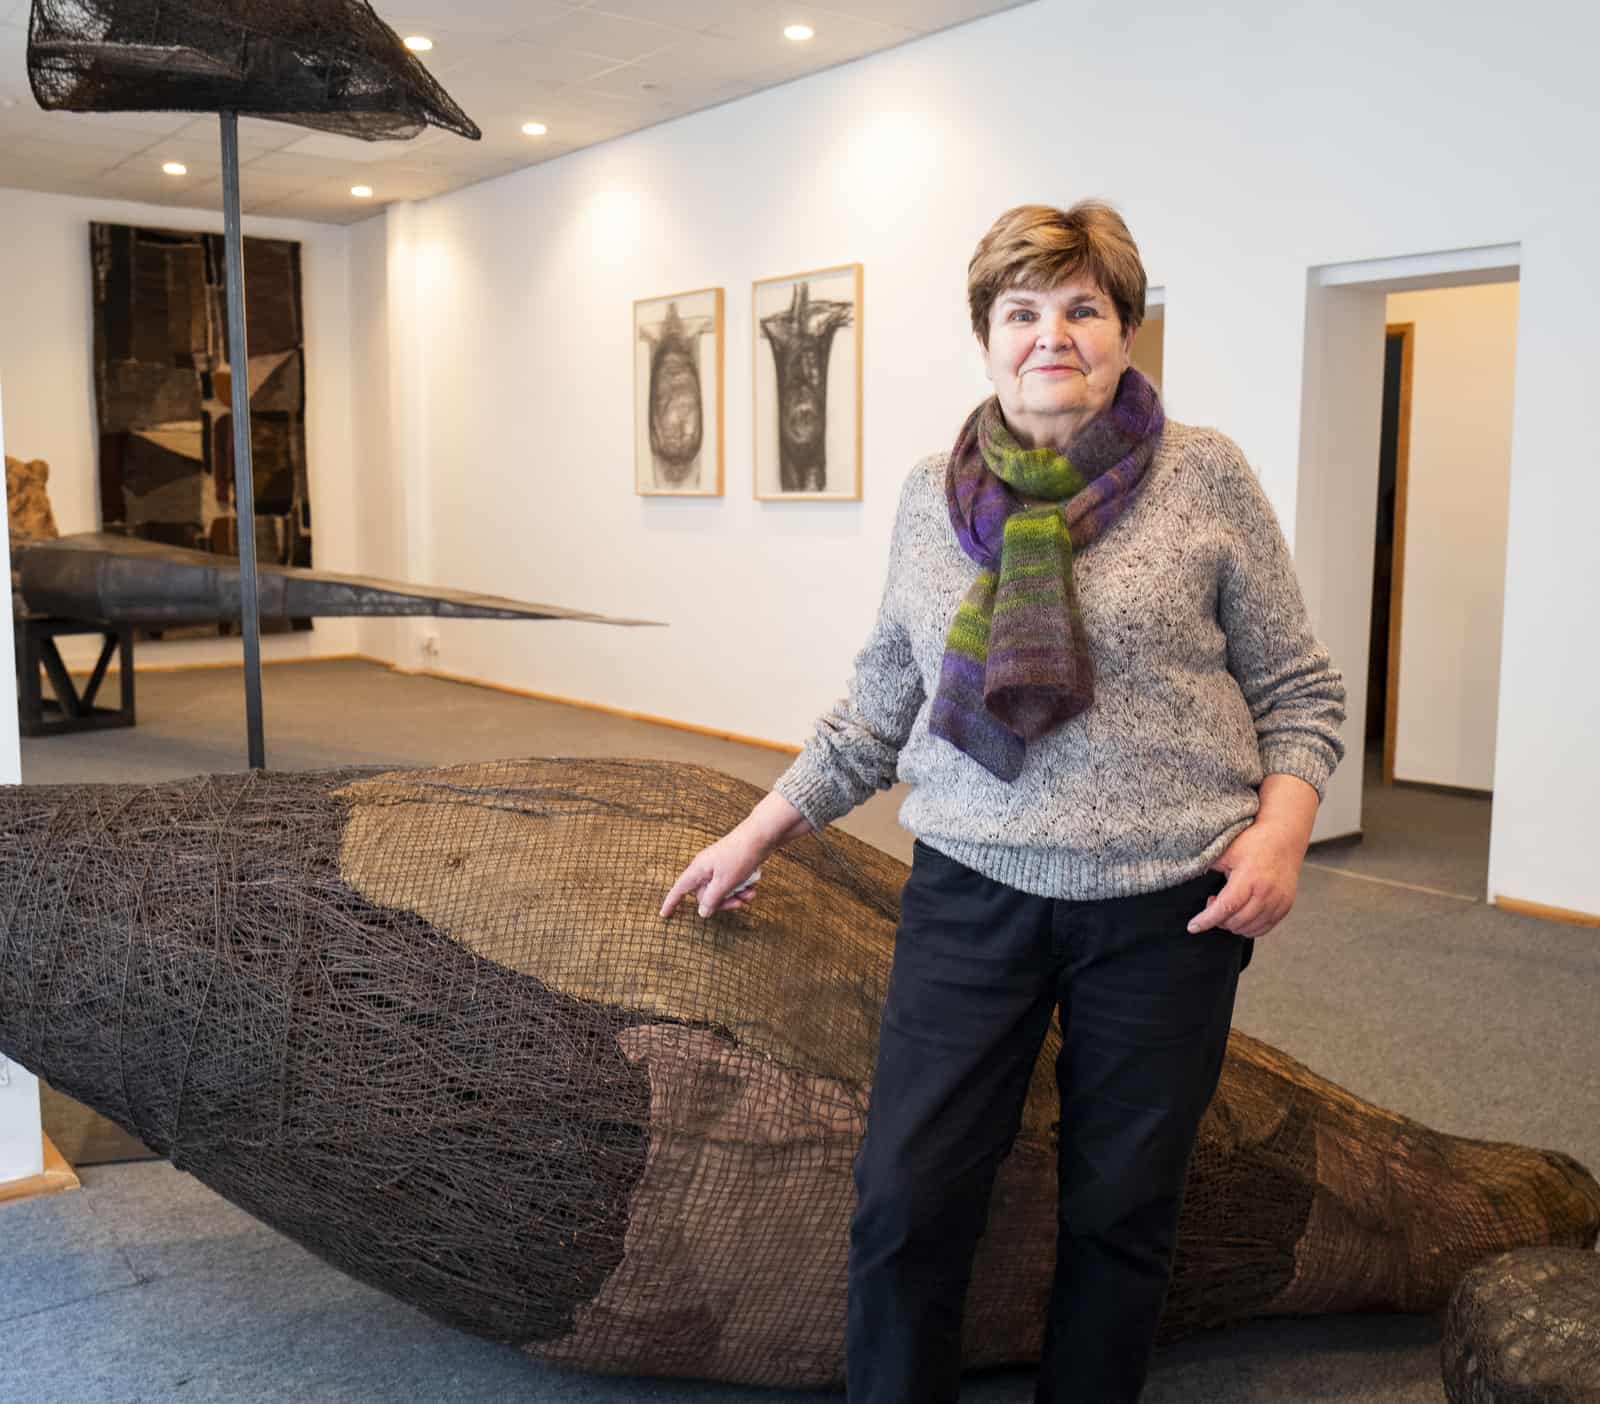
332 65
428 1024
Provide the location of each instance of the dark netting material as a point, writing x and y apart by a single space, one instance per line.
328 64
1524 1328
429 1024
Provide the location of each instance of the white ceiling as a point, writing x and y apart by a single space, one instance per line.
588 69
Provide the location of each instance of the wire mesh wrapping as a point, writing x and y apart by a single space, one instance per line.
1524 1328
429 1024
328 64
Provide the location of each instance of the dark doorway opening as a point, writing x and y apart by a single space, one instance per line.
1383 656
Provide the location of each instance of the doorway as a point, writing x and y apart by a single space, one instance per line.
1405 453
1394 449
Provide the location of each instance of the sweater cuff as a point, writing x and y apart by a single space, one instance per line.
1304 762
807 786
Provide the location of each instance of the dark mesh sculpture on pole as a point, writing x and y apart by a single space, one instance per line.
429 1024
328 64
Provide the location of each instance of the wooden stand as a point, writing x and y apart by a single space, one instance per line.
69 710
56 1176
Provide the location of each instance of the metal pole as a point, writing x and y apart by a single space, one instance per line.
244 495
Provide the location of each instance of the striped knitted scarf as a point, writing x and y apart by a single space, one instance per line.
1016 662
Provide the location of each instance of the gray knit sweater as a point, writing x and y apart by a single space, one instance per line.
1207 677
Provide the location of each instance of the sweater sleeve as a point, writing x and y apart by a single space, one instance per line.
1296 697
855 747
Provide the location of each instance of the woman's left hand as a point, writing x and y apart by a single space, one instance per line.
1263 862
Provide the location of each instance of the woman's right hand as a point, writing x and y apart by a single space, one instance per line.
718 873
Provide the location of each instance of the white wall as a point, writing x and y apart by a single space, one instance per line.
1463 379
47 366
1336 508
1246 144
21 1144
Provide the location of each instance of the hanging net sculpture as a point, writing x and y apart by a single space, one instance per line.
328 64
429 1024
1524 1328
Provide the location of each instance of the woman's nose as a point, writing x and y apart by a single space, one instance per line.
1054 330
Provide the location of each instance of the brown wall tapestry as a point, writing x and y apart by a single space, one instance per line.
163 387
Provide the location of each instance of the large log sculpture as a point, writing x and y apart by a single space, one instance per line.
428 1024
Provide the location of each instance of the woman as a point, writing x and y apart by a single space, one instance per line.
1094 668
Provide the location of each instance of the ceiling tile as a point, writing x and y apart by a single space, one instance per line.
255 134
615 37
155 124
201 157
327 146
683 14
708 59
70 157
314 172
45 179
763 22
924 16
510 67
470 16
31 124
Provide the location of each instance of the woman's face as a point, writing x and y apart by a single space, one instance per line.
1054 358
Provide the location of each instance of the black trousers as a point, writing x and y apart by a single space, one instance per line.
1145 1009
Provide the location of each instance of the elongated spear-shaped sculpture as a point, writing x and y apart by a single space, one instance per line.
125 580
429 1024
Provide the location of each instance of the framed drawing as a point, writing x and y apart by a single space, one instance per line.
808 386
677 394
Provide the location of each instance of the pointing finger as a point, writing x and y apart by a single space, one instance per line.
689 879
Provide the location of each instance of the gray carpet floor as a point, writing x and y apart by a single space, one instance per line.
1391 977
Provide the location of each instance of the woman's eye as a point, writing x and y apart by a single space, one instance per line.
1020 314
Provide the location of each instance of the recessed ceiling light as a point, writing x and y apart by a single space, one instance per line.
361 192
175 168
534 129
798 33
418 43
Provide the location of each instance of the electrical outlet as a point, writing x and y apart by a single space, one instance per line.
430 650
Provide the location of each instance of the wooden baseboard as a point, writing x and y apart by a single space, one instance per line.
1337 841
1565 915
56 1176
213 663
784 746
1457 791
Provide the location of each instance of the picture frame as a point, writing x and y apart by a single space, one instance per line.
806 390
678 394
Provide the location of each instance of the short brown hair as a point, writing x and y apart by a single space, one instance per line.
1038 247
